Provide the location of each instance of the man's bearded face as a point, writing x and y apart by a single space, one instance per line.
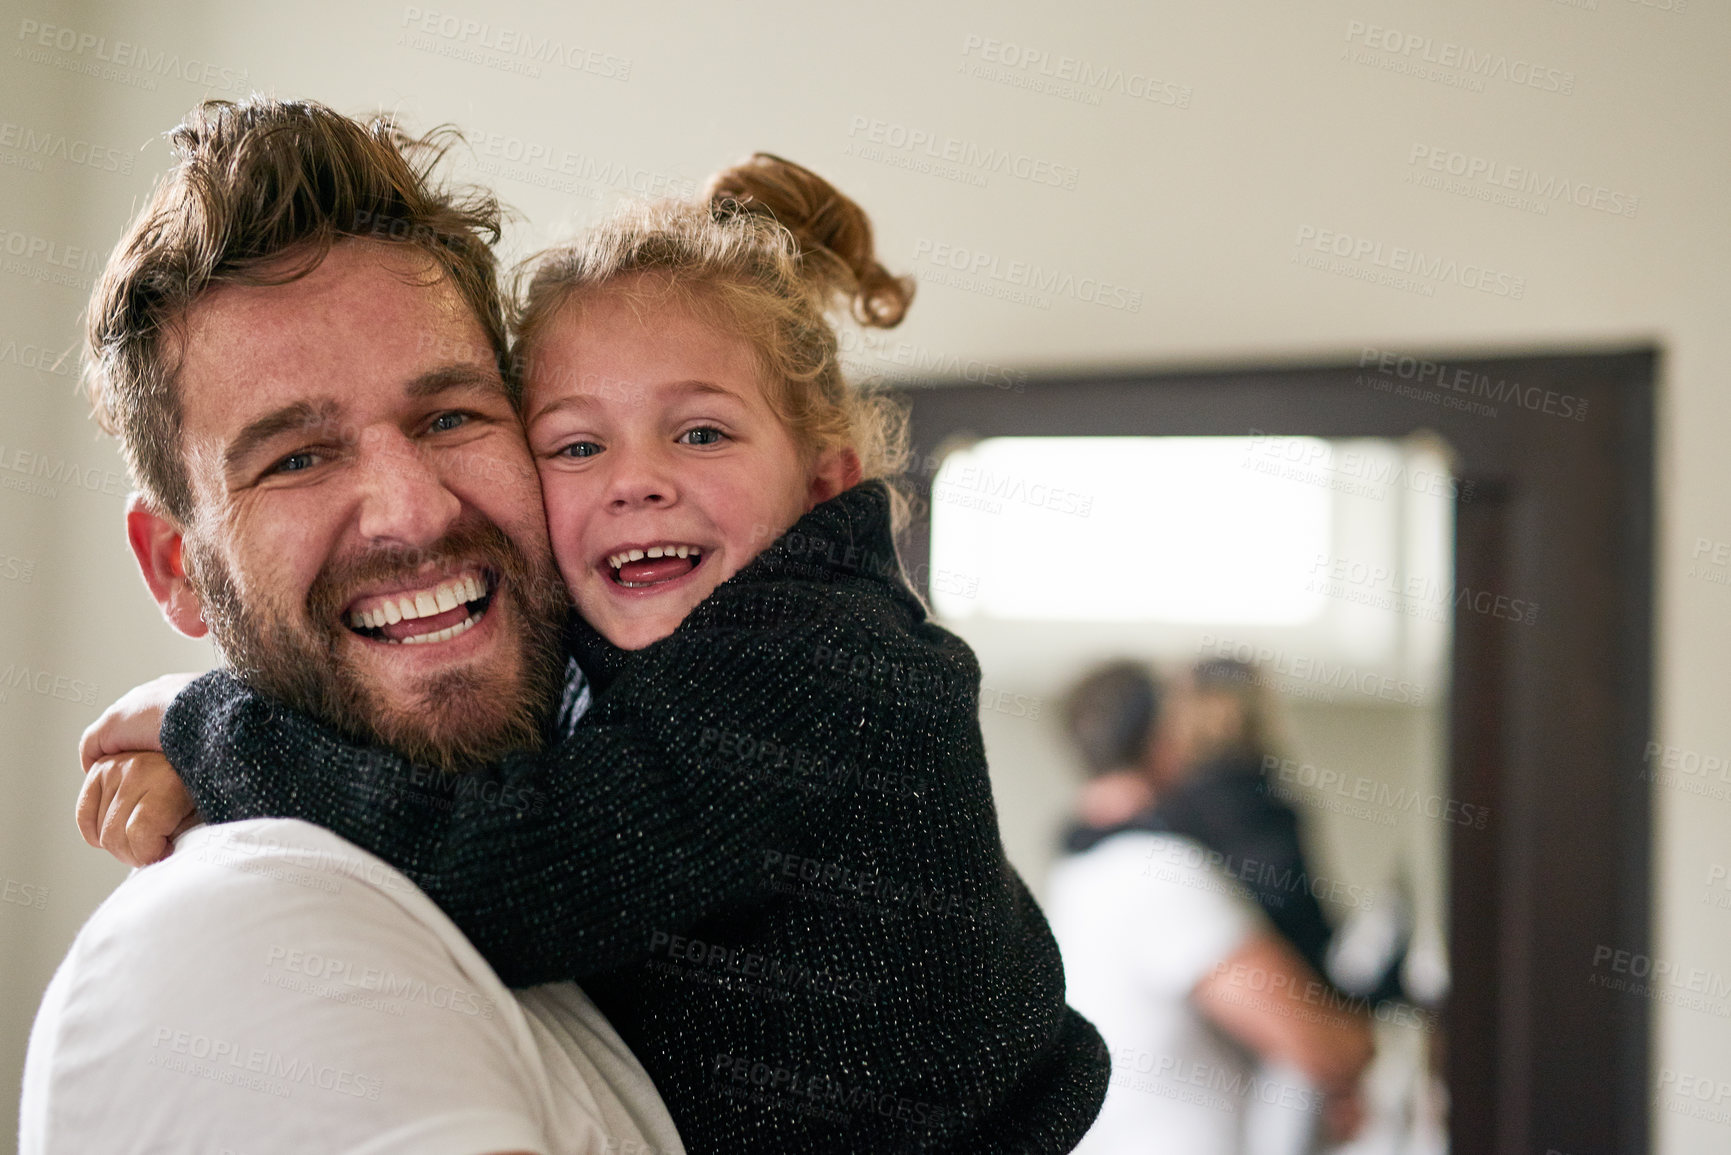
369 544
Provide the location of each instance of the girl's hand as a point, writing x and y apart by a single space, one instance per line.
134 806
133 723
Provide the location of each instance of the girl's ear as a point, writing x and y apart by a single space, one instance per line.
836 471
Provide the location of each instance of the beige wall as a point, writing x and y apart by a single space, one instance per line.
1276 129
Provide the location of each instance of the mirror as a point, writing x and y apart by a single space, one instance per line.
1319 573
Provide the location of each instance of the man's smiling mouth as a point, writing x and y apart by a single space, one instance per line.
639 568
433 613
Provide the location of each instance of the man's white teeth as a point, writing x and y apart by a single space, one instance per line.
422 604
631 555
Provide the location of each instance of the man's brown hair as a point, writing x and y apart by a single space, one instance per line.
260 191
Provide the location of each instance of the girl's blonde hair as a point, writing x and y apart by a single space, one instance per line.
767 252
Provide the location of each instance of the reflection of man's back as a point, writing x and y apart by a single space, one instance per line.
1142 919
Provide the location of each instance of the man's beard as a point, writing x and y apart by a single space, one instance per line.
457 719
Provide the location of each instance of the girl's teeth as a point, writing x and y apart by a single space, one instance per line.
630 555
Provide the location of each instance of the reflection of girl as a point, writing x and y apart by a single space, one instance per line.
1215 792
768 849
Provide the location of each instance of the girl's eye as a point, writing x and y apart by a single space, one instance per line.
578 449
703 435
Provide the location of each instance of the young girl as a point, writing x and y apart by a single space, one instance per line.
768 848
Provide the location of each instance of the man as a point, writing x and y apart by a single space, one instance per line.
299 345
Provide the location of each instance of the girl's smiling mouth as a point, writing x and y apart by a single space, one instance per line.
642 567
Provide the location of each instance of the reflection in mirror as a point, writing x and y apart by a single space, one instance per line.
1294 598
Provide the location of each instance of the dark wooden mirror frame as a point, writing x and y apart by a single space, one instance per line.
1548 721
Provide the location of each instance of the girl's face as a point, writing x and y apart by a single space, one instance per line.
663 468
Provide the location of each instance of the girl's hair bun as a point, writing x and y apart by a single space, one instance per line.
833 233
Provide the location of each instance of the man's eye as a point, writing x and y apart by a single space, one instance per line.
445 422
578 449
703 435
296 462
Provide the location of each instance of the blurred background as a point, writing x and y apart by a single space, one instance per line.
1133 189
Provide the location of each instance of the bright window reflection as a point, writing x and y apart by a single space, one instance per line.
1145 529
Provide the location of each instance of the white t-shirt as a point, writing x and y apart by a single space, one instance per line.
272 987
1141 919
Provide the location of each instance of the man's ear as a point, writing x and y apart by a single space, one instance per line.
837 470
156 543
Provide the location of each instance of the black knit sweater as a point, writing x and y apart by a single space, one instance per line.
768 851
